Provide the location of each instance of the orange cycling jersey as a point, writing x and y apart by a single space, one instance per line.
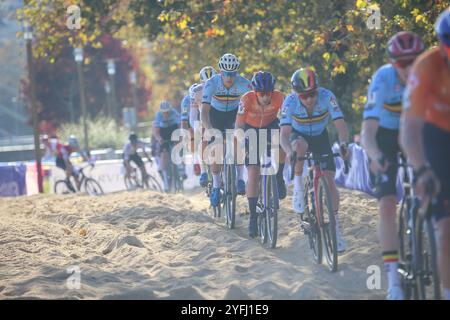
255 115
428 91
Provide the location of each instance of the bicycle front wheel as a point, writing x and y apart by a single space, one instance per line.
327 224
262 224
271 209
310 225
230 194
92 187
426 258
153 184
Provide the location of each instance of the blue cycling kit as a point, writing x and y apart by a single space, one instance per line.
294 113
384 98
185 103
172 119
222 99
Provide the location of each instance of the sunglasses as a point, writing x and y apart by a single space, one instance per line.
306 95
263 94
229 74
403 63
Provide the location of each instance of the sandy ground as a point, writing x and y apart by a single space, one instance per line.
146 245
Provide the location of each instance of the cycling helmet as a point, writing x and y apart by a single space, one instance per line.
229 62
442 27
206 73
404 44
133 137
304 79
263 81
165 106
73 141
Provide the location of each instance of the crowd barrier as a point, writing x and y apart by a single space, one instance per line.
20 178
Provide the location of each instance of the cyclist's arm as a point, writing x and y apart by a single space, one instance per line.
368 140
411 140
241 115
338 118
205 115
371 116
412 118
342 130
193 116
284 141
208 92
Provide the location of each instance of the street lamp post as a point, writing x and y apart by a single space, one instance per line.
133 80
108 98
112 71
78 55
28 37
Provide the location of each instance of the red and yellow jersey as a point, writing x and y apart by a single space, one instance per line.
255 115
428 90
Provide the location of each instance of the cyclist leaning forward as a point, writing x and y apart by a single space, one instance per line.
190 116
258 110
304 118
220 103
167 120
380 140
425 135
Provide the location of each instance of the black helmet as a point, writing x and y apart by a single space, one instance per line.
133 137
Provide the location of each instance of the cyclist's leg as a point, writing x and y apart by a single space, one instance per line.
300 145
281 160
253 172
217 122
438 155
386 193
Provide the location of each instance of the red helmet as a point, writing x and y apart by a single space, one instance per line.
404 44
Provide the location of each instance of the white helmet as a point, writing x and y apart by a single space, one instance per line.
229 62
206 73
73 141
165 106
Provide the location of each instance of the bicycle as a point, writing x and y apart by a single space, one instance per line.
267 207
418 267
134 180
175 179
92 187
318 221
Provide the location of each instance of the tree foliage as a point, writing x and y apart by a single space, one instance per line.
278 36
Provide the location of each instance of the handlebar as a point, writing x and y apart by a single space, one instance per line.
315 158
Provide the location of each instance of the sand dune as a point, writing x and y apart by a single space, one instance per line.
146 245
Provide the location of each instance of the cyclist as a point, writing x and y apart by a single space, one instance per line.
379 138
258 109
130 154
304 118
62 160
196 93
166 121
425 135
220 103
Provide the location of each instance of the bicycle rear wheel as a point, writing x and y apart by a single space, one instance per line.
327 224
271 209
61 187
426 255
92 187
230 194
